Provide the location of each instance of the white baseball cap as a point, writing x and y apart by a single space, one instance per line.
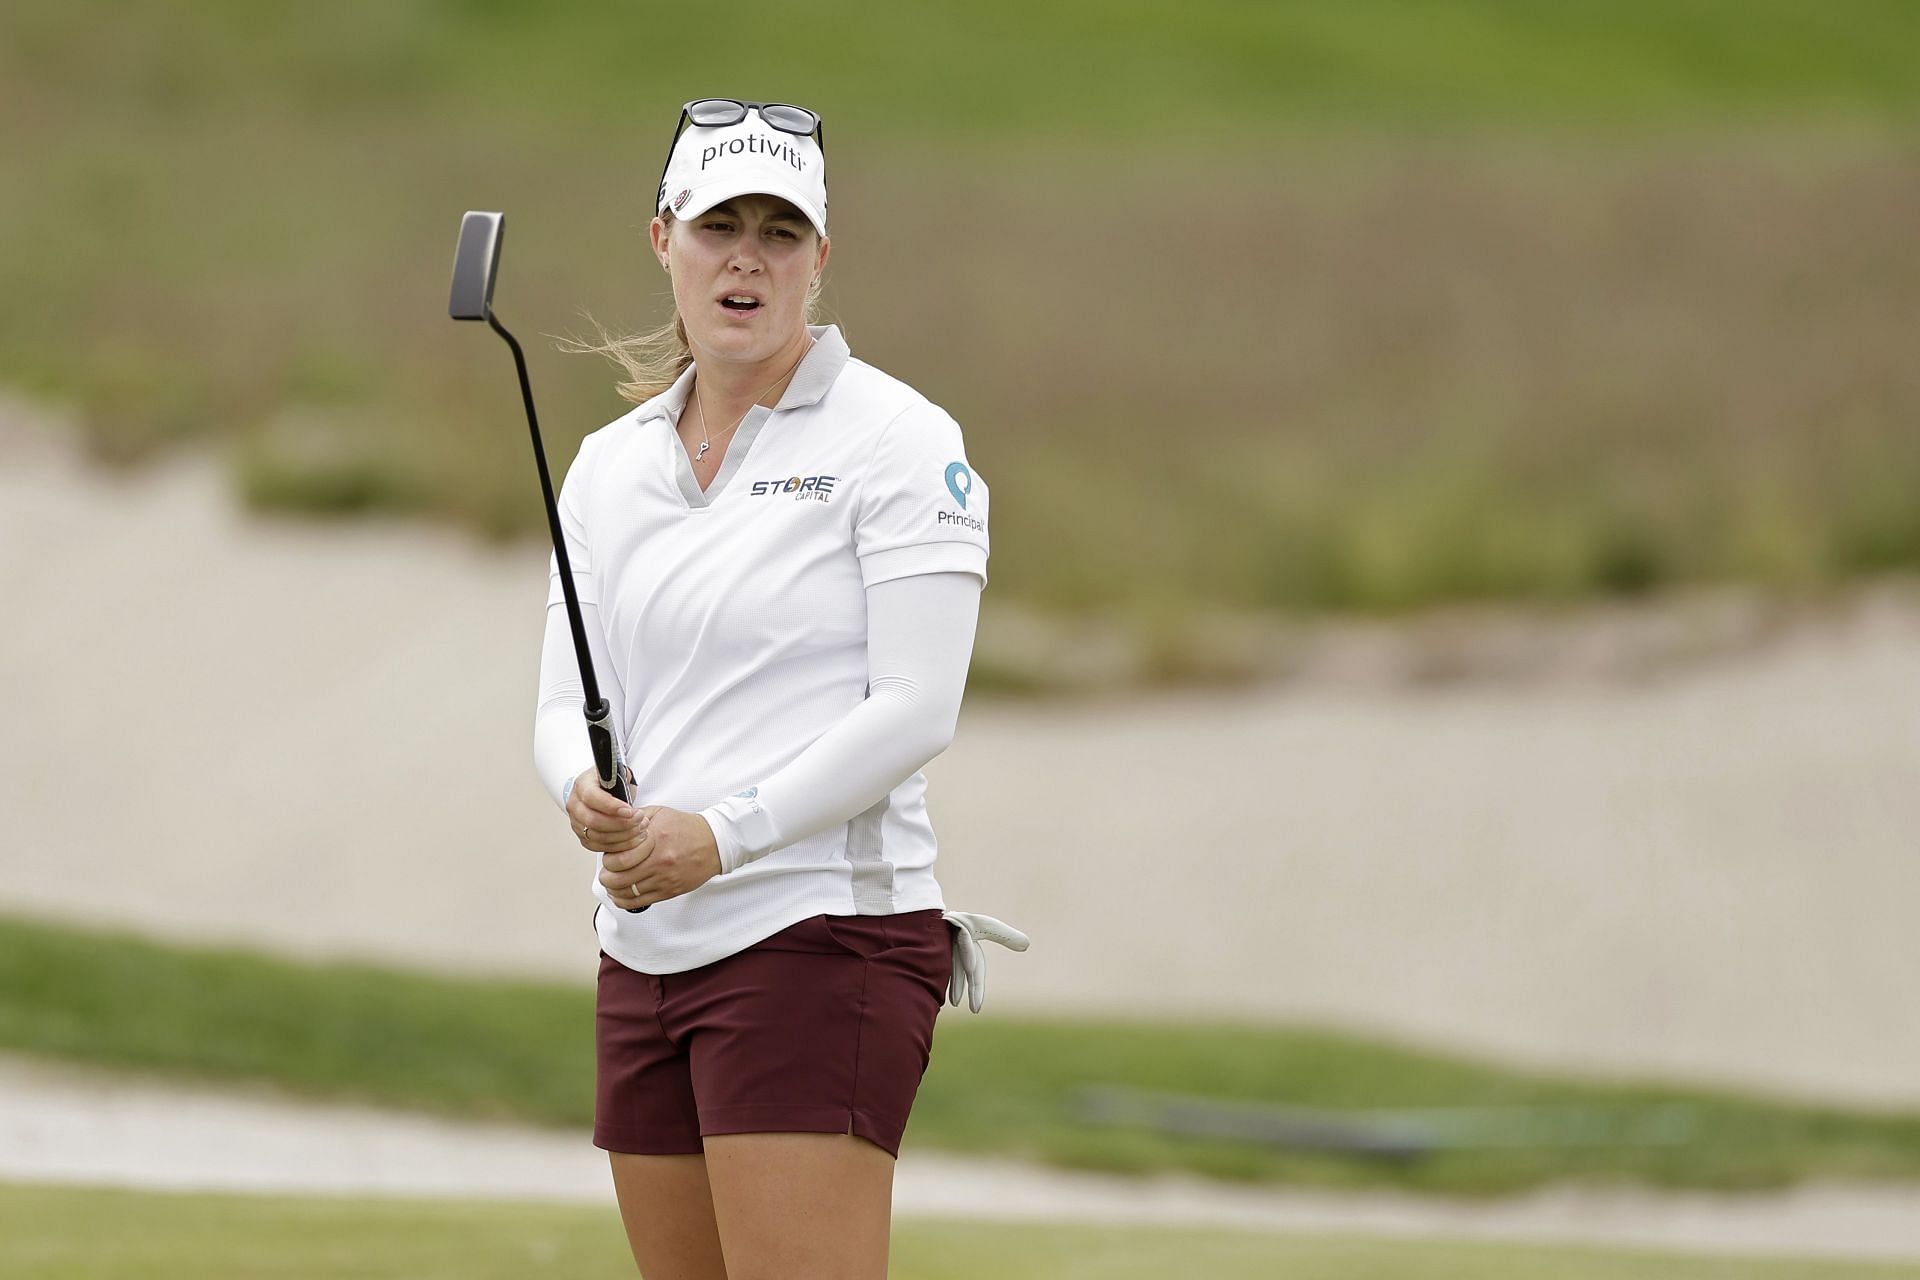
709 165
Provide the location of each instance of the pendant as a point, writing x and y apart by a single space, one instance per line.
703 450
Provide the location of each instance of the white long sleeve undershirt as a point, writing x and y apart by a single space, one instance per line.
920 633
561 749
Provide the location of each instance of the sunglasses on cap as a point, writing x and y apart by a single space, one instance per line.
715 113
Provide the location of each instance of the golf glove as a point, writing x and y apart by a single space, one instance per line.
969 959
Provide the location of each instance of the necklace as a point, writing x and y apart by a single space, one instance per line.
706 441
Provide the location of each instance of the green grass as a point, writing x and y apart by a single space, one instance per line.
71 1233
1379 304
1050 73
997 1084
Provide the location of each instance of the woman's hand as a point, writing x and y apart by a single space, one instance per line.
601 821
674 853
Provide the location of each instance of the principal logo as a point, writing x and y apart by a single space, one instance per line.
959 482
800 488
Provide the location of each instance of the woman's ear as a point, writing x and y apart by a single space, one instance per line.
657 234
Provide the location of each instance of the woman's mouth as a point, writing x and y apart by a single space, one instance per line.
740 304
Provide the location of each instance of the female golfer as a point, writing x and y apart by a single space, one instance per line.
779 555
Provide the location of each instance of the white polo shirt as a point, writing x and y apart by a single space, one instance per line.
735 619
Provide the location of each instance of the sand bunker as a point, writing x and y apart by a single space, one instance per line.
317 739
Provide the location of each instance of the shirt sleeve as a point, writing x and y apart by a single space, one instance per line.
921 507
919 645
561 749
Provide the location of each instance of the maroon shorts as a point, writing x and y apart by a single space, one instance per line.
825 1027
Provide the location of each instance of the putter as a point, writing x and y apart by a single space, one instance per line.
474 263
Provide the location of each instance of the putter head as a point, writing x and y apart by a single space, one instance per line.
473 265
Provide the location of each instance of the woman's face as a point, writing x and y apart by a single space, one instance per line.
753 247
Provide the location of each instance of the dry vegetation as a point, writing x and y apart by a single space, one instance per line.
1366 380
1421 373
1371 341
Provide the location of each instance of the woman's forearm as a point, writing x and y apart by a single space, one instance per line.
920 633
561 750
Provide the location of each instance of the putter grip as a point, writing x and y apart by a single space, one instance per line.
608 766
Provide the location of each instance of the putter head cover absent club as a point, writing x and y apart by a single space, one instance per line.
475 260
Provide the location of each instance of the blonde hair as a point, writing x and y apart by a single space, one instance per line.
654 360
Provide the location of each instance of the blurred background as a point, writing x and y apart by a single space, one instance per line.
1452 640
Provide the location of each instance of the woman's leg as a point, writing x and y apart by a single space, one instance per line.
668 1211
801 1206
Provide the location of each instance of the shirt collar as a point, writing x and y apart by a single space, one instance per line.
811 381
818 368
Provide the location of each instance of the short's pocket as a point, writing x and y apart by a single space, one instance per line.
863 936
907 931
